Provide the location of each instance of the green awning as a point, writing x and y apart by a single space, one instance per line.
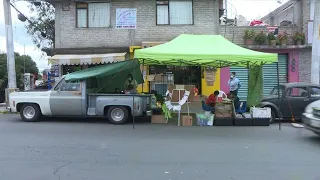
202 50
118 71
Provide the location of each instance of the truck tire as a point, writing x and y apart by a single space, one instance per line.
117 114
30 112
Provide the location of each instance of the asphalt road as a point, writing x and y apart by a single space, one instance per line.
60 149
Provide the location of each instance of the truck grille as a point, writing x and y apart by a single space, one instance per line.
316 112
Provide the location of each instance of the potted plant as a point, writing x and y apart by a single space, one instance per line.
283 38
260 38
272 39
248 36
299 38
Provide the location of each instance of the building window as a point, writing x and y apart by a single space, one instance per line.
174 12
93 15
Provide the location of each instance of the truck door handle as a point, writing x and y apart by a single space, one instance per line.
306 100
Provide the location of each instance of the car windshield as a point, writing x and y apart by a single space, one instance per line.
275 90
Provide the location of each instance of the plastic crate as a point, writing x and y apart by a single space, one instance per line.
243 122
261 121
223 121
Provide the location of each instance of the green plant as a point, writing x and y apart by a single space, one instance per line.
271 36
283 36
249 34
298 36
260 38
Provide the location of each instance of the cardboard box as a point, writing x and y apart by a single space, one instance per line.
158 119
187 121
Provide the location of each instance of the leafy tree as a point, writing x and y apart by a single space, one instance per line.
41 25
30 67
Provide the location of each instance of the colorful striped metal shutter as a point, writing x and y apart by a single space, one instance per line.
270 74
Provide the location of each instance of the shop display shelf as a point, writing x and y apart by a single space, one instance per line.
243 122
223 121
261 121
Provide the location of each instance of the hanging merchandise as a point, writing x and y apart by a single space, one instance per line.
150 77
210 76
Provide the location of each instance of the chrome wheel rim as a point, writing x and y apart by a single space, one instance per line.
29 112
117 114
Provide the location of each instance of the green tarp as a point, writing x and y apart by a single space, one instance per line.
255 86
109 76
202 50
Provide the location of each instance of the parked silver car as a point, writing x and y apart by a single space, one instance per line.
311 117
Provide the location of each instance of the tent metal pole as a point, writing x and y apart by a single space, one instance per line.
279 102
133 120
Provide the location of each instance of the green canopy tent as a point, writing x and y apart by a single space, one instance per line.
202 50
205 51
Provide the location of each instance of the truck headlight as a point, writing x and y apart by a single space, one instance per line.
308 109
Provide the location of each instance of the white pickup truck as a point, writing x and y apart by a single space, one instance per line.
74 98
68 99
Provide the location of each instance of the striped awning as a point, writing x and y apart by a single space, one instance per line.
68 59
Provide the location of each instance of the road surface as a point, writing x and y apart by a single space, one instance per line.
77 150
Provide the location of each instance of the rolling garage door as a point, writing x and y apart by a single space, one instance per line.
269 76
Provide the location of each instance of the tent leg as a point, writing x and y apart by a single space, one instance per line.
179 118
279 102
133 112
143 74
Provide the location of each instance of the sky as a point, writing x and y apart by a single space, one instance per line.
251 9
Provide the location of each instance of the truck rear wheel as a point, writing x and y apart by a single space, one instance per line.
30 112
117 114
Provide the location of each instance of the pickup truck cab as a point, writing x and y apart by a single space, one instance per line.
72 99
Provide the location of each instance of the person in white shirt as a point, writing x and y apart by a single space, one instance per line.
222 94
234 84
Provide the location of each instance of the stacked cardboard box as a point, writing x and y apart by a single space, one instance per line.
180 89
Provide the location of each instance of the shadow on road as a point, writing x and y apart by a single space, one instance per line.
82 120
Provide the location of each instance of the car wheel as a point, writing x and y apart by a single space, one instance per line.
30 112
118 114
273 117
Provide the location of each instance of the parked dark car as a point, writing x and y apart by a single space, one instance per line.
294 97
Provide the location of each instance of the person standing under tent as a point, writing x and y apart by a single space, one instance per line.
234 84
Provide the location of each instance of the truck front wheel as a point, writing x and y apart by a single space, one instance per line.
30 112
118 114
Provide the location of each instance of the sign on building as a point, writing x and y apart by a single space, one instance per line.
126 18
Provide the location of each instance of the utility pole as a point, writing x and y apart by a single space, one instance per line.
315 61
9 41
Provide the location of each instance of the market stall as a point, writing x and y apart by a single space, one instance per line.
207 51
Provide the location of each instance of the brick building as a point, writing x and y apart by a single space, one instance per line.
155 21
300 13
